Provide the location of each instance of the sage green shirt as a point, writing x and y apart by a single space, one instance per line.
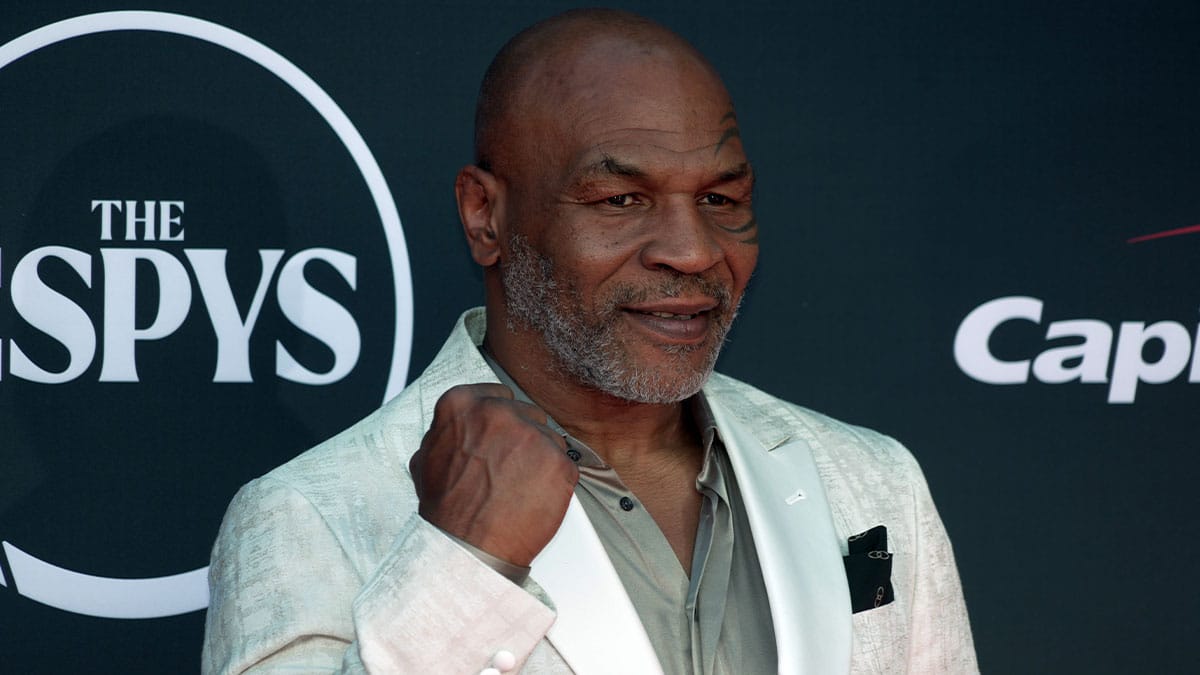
718 622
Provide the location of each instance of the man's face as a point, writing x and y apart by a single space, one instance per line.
632 236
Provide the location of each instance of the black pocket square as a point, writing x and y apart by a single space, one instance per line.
869 570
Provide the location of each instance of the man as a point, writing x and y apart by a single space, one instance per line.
566 489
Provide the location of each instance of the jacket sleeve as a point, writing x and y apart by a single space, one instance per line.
288 594
941 639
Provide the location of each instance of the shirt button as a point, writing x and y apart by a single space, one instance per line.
626 503
504 661
573 454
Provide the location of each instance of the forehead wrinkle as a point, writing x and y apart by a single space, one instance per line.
614 148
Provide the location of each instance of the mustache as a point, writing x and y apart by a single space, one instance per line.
673 287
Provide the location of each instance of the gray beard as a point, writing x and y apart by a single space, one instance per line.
587 347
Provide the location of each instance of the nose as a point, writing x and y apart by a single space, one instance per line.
681 239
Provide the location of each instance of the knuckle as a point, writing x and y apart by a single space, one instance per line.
414 462
496 404
495 411
452 399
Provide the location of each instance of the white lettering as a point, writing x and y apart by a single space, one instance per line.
233 333
132 220
166 219
52 313
1130 367
1057 365
120 330
1194 376
106 211
1051 365
318 315
169 217
971 350
126 323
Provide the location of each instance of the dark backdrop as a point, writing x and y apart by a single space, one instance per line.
913 164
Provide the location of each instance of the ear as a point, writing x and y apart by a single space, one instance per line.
481 208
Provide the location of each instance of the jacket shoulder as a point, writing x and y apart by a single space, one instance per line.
379 444
354 481
775 421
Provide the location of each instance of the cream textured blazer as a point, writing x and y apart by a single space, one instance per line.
323 565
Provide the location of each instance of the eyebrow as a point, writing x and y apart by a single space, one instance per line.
736 173
613 166
608 165
741 172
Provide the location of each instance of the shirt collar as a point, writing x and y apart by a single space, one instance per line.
710 475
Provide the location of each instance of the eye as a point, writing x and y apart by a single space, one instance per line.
626 199
714 199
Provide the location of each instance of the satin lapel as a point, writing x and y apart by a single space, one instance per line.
597 630
797 547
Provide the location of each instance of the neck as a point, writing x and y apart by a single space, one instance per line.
622 432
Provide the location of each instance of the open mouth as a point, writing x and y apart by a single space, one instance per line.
672 327
670 315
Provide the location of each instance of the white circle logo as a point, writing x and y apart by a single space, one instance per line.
162 596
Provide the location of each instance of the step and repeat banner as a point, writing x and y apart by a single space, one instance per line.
227 231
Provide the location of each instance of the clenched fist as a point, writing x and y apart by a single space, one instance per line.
490 472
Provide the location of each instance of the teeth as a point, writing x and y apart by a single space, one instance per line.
668 315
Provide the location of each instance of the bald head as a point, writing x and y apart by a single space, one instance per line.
611 191
532 71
